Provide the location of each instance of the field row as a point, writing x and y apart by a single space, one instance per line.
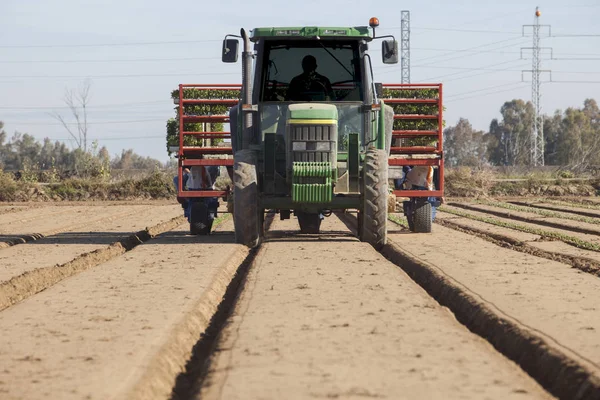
118 301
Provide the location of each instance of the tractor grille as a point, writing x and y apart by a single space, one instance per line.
314 143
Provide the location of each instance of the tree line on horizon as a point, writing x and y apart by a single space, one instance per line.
571 138
23 152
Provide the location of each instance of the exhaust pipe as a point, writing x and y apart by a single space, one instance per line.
247 90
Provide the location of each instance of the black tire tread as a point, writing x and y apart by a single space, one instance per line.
245 209
422 222
375 194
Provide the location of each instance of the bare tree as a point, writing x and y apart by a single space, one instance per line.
77 101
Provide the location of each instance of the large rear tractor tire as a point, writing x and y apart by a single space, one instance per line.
310 223
373 227
246 213
422 218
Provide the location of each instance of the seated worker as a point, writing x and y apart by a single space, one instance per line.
309 85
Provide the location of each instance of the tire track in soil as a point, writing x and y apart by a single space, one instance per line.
464 225
326 316
562 371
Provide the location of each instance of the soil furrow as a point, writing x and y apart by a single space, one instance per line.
579 227
564 209
575 239
326 316
10 240
121 331
463 225
526 308
65 246
31 282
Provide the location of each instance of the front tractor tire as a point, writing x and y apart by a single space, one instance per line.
246 212
374 214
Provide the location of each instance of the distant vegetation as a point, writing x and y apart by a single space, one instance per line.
572 139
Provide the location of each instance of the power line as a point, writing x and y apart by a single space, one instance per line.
472 48
575 59
113 138
521 85
588 82
466 69
91 123
116 76
29 46
89 107
108 60
482 89
467 30
578 35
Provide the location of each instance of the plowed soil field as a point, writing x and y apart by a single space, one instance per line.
118 301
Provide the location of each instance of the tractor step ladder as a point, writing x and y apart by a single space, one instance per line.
423 107
191 156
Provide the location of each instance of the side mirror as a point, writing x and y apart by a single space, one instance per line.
389 52
379 89
230 50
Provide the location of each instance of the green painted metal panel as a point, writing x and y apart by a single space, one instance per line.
311 32
312 182
313 111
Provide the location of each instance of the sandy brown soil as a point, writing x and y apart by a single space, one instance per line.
591 238
530 239
550 206
561 223
132 319
328 317
62 247
552 298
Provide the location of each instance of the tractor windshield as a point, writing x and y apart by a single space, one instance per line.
311 70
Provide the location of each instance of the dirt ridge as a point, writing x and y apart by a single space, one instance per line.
29 283
511 215
555 208
21 239
564 373
176 367
584 264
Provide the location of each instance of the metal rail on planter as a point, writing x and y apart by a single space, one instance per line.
399 155
404 155
190 156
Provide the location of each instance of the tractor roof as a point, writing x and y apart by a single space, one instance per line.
311 32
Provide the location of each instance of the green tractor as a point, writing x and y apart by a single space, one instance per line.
310 136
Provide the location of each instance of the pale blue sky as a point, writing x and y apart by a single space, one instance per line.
47 46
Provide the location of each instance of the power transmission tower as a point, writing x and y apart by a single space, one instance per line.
537 134
405 46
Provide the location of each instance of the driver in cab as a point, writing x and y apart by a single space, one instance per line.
309 85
